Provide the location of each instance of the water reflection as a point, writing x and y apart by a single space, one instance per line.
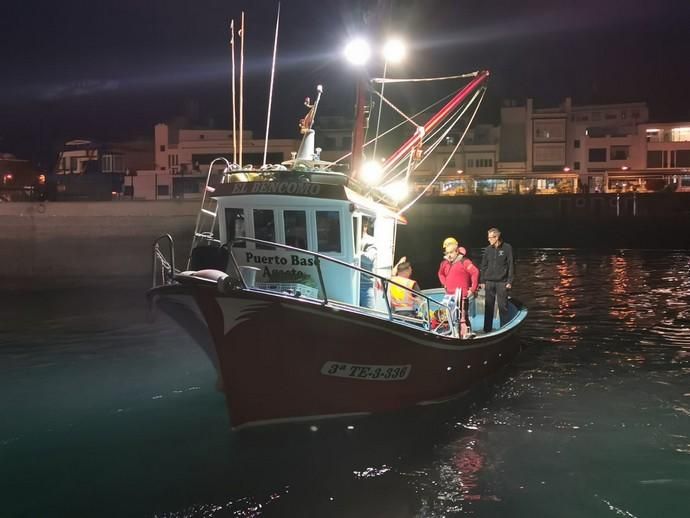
593 418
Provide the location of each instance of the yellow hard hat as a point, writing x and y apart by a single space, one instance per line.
449 241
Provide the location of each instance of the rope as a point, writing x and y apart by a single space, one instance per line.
423 79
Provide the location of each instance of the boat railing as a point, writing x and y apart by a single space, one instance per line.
163 268
427 307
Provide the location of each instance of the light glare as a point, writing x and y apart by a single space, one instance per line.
371 172
394 50
357 51
398 191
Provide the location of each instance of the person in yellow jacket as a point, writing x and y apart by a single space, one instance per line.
403 301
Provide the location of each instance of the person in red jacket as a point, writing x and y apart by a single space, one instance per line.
458 272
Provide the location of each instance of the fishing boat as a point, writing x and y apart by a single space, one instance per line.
299 325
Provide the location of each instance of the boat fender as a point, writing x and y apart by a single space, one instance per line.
211 275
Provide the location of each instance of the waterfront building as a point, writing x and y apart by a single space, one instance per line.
18 178
566 149
534 150
182 158
87 169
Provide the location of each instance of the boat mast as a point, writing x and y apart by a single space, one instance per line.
234 95
358 129
241 87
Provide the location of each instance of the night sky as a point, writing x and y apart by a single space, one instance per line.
110 70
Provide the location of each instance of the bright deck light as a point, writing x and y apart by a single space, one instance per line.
371 172
357 51
394 50
398 191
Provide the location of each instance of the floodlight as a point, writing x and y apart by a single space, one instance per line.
371 172
358 51
394 50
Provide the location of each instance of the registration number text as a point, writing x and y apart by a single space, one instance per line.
366 372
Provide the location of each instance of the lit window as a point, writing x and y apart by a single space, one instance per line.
680 134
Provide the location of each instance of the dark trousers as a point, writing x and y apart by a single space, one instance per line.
495 293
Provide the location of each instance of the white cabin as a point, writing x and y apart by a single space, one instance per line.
322 218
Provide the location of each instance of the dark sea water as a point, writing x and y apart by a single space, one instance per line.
105 414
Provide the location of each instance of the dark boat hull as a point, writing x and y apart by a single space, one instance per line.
282 359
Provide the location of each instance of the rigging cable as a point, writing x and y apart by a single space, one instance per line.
270 93
456 148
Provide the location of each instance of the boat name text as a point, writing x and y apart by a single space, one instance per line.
301 188
292 259
366 372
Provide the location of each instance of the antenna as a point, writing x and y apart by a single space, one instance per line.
234 95
241 88
270 92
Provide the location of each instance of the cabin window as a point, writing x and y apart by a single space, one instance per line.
235 226
264 227
295 228
328 230
355 233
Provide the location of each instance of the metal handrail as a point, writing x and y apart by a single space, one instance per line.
385 282
160 258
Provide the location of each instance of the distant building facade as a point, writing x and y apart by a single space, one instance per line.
88 169
182 158
594 148
19 179
534 150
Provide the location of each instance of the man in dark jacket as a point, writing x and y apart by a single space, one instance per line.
496 276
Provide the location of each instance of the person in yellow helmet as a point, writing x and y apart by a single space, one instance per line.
449 242
458 272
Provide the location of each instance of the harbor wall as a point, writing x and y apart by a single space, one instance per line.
80 241
84 240
593 221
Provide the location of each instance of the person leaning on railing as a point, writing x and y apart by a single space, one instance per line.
458 272
403 301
